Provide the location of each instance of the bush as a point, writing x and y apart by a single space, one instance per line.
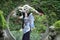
2 20
57 25
40 23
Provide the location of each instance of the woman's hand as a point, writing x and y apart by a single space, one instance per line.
40 14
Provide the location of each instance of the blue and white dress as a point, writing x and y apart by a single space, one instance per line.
28 23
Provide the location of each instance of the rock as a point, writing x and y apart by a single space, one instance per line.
7 35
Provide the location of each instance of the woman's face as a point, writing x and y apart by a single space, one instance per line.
20 9
26 8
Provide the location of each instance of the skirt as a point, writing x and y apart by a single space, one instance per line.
26 36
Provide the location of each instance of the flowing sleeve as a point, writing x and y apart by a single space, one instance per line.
31 21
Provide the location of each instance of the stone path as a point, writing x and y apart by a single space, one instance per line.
58 37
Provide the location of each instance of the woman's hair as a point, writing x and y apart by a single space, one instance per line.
19 13
23 14
28 13
39 10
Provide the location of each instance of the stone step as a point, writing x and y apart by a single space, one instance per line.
2 38
58 37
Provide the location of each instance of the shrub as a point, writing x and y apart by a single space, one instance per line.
40 23
57 25
2 20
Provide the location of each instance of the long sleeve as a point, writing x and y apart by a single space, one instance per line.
31 21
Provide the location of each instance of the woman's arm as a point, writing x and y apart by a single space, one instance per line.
29 8
36 11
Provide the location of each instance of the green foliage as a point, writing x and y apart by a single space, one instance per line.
48 6
57 25
18 36
14 24
40 23
3 23
51 9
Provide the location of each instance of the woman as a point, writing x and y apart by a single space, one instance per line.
28 21
28 25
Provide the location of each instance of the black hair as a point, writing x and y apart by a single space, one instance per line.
23 14
19 13
28 13
23 19
39 10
